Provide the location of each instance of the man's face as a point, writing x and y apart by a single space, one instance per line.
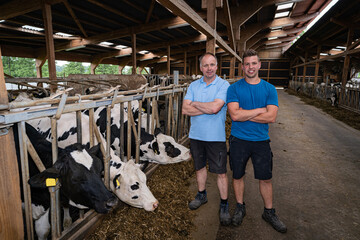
251 66
208 66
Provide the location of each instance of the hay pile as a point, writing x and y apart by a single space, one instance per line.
171 220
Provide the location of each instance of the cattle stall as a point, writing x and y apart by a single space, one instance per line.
347 96
175 125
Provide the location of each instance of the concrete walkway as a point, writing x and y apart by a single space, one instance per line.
316 181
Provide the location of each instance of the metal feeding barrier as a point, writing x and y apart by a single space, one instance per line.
347 97
174 124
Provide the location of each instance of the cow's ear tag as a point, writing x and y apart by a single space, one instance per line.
117 184
143 109
51 182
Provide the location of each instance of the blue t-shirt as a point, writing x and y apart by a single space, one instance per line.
250 97
208 127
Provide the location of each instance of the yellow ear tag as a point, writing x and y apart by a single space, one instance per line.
143 109
51 182
117 183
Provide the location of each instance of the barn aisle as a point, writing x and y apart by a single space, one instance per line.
316 177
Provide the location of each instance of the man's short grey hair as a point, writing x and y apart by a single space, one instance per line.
207 53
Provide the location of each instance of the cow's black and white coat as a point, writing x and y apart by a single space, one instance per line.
123 175
79 173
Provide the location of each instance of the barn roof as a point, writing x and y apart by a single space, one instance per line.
102 31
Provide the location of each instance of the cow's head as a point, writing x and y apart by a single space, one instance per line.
128 182
79 173
162 149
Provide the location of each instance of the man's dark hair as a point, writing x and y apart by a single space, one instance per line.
207 53
250 53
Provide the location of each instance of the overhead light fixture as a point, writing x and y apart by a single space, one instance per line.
63 34
276 28
144 52
2 21
324 54
121 46
32 28
272 38
74 48
341 47
282 14
106 43
284 6
179 25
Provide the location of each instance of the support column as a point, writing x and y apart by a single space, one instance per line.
317 65
50 48
133 54
185 57
345 72
168 59
232 68
304 70
211 20
11 221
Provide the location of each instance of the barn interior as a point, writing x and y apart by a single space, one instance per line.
298 41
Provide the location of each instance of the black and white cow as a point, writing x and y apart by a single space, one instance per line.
124 176
157 148
79 173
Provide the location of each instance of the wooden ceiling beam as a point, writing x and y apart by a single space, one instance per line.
123 32
252 29
182 9
283 33
151 46
73 15
16 8
113 10
229 26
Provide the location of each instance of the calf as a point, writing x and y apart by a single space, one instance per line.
79 173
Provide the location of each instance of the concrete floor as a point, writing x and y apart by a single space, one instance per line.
316 181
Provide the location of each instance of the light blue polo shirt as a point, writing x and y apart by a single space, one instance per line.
208 127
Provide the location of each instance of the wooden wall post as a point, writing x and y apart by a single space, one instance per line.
50 48
133 54
211 20
168 60
11 221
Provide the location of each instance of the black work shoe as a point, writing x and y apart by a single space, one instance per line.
239 214
270 217
199 200
225 218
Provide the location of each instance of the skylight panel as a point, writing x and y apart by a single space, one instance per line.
144 52
282 14
32 28
284 6
106 43
63 34
121 46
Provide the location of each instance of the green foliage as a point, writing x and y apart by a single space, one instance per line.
25 67
73 68
19 67
107 69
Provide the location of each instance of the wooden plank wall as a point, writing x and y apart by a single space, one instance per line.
11 223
